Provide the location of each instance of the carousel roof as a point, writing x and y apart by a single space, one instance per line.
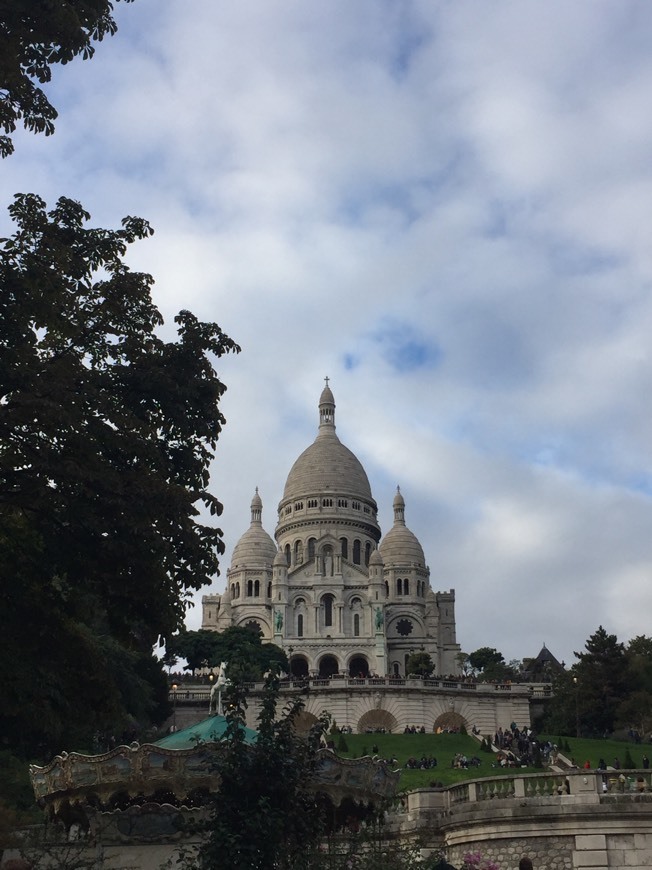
211 730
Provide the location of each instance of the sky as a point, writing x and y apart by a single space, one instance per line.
446 207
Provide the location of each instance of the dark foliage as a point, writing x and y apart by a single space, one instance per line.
247 657
35 35
106 435
265 814
609 687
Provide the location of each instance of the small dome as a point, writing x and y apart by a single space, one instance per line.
401 547
280 560
255 548
375 558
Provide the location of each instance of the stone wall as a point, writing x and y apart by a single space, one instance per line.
562 822
399 702
551 853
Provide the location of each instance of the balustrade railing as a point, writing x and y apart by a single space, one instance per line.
187 692
603 784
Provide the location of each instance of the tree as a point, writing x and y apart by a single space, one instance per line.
489 664
635 710
419 663
588 698
602 682
247 657
35 35
265 813
463 663
106 435
484 658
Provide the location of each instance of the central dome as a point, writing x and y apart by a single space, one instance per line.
327 465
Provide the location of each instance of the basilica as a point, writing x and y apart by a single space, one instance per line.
338 596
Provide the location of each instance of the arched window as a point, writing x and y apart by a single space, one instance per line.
269 589
288 554
300 625
399 586
311 547
250 588
237 589
257 589
386 589
298 553
406 586
344 542
367 552
327 601
356 625
299 602
233 590
356 552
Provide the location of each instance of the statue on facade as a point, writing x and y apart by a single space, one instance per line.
379 618
278 620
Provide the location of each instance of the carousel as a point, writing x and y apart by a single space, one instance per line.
155 792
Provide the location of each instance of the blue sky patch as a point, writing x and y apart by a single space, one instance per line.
404 349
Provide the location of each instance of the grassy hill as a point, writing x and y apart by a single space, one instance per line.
444 747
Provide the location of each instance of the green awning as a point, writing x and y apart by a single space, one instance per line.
210 730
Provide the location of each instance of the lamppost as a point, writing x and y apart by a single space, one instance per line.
577 709
174 706
211 677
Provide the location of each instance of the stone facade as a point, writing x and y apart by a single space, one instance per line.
335 594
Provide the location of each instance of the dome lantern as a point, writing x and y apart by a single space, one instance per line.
327 408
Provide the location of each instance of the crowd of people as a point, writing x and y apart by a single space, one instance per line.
519 746
426 762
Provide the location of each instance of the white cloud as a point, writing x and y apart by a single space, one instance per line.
444 207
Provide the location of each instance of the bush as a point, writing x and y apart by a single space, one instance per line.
342 745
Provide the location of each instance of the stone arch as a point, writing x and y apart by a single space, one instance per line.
299 666
451 720
328 666
376 720
304 722
358 666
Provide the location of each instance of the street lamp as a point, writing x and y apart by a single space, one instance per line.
211 677
174 706
577 709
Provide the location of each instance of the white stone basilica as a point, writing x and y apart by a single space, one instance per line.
332 592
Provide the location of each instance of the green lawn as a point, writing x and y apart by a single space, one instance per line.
583 749
443 747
